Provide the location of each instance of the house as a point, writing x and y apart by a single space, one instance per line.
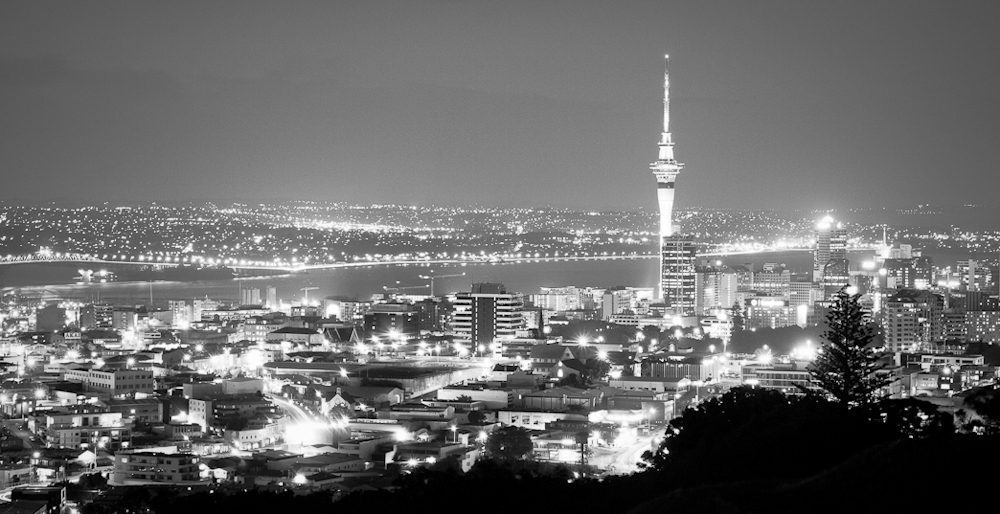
351 397
545 356
223 469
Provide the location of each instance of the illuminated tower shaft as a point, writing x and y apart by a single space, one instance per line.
666 168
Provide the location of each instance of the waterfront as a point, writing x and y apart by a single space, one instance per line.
362 282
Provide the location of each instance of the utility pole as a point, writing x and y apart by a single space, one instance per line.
582 439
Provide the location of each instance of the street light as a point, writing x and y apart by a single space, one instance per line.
454 430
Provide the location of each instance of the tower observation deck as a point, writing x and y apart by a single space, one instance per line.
666 168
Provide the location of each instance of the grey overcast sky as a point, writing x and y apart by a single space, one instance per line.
803 104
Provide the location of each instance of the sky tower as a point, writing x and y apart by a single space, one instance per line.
677 253
666 168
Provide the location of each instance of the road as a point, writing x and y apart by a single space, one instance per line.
303 427
624 460
19 429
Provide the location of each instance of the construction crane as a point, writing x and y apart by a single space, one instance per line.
432 277
400 288
305 294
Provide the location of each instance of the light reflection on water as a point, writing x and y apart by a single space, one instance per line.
362 283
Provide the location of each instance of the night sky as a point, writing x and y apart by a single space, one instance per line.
795 104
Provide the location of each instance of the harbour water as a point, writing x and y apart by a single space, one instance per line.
361 283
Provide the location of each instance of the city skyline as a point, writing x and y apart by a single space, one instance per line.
394 255
435 103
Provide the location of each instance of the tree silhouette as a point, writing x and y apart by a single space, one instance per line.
509 444
847 367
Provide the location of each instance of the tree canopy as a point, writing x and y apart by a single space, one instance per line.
846 366
509 444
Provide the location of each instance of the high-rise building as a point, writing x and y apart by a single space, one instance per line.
616 301
836 275
678 279
974 275
487 313
181 313
677 253
982 326
715 288
831 243
911 319
271 301
96 315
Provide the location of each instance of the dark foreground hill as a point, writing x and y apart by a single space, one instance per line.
896 476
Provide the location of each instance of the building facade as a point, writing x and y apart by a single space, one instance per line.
487 313
912 318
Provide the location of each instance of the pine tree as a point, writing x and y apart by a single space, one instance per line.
847 366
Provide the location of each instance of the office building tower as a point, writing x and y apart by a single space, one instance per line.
836 275
678 278
974 275
912 319
181 313
715 288
831 243
486 313
982 326
96 316
271 300
616 301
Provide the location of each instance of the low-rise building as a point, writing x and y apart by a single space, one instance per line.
657 385
13 475
119 382
141 468
537 419
145 410
788 378
492 398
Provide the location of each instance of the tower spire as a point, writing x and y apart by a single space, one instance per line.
666 94
666 167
